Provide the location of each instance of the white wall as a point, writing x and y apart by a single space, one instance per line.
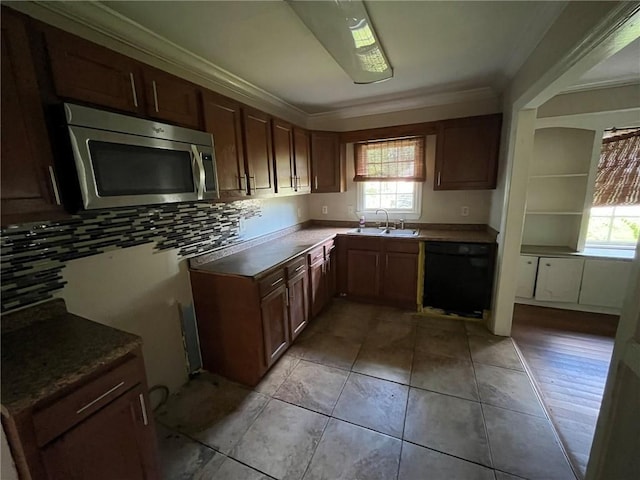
437 206
277 213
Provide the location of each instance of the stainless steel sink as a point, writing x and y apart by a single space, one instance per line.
372 231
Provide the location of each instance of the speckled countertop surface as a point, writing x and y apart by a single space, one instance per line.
259 259
50 353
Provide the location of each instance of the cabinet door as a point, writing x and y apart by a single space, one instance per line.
362 273
301 148
604 282
275 324
223 119
172 99
559 279
317 287
88 72
118 441
527 270
331 272
28 192
298 288
257 150
326 163
400 277
467 153
283 156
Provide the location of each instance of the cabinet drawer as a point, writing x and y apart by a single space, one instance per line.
401 246
328 248
272 281
372 244
57 418
295 267
316 255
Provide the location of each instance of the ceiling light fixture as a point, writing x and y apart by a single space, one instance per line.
343 27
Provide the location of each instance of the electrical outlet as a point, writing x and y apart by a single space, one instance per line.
350 210
325 209
464 211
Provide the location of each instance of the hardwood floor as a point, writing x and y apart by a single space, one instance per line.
568 353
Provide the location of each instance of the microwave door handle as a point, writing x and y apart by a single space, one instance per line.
201 173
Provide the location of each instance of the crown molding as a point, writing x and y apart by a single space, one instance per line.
627 81
99 18
407 103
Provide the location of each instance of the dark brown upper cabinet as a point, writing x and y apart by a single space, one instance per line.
29 190
223 119
283 156
90 73
172 99
302 150
258 152
327 163
467 153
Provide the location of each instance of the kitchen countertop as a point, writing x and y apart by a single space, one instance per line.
48 348
259 259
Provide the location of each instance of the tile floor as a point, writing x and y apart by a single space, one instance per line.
368 393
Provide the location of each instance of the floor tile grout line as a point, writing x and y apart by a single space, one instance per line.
450 455
313 454
406 404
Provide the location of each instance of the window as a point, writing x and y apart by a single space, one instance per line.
617 226
389 175
615 216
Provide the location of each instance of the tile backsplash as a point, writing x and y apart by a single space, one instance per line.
33 255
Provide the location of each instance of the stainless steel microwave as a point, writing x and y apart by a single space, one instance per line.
122 160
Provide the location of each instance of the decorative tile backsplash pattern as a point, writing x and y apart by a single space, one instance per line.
33 255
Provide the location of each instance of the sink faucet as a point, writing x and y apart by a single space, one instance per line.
386 227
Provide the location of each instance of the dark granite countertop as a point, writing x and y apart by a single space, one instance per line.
51 352
256 260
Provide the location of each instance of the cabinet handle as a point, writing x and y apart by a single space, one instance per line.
277 282
529 262
299 268
92 402
316 182
54 184
438 178
155 94
246 179
548 264
143 407
133 90
287 292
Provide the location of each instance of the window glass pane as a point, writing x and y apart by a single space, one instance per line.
405 187
598 229
388 187
405 201
625 229
371 188
607 211
388 201
628 211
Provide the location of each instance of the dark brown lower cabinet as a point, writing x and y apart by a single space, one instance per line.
322 277
298 302
275 319
380 270
101 428
109 444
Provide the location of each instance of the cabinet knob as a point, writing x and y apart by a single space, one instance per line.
548 264
529 262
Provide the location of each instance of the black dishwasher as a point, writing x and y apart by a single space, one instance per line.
458 277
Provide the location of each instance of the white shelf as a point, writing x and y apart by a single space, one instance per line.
560 175
552 213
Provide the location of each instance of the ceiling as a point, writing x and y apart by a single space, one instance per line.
435 48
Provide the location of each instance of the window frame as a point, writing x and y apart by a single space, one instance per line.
407 214
608 244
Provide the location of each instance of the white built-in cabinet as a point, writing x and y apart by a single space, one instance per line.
559 279
560 185
527 271
604 282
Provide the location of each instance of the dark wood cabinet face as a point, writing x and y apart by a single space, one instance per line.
363 276
90 73
27 172
283 156
275 324
298 304
400 277
326 163
223 119
112 443
317 287
467 153
258 152
301 143
171 98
